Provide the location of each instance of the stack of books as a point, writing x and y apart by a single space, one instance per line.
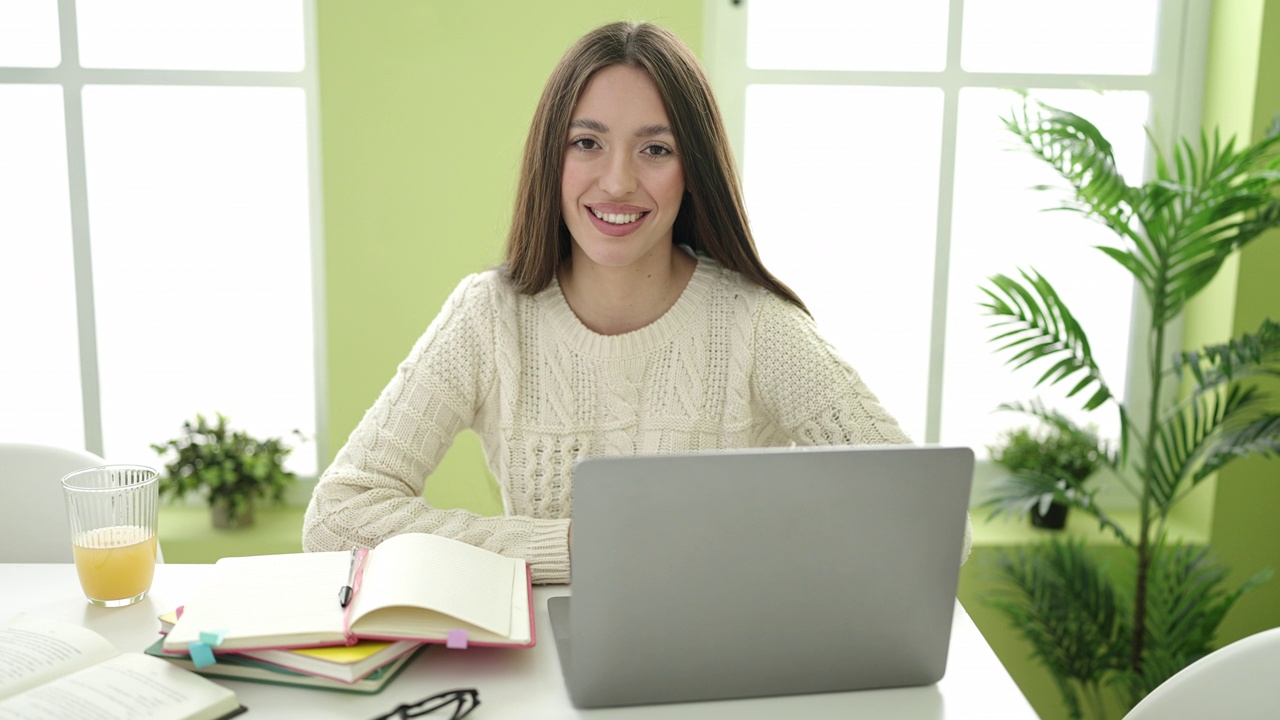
365 667
348 621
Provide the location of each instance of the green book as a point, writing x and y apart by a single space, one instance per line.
238 667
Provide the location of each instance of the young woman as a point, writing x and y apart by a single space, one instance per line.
632 315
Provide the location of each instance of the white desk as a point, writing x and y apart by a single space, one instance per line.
523 684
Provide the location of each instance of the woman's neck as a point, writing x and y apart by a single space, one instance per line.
613 301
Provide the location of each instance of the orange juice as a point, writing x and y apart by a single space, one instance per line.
115 563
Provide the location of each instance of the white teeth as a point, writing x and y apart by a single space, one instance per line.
617 218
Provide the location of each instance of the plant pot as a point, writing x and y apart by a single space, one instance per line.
223 519
1055 518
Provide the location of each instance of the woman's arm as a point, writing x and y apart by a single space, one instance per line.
373 489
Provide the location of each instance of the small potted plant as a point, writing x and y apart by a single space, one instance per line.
229 468
1061 453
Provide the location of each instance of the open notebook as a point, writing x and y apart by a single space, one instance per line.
413 586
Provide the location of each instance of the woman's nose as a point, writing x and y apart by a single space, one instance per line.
619 178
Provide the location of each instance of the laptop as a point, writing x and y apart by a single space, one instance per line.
748 573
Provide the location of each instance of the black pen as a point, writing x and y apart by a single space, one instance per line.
344 595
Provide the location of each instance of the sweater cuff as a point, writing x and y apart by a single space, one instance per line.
548 555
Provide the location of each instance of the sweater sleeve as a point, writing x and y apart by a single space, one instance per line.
811 394
373 488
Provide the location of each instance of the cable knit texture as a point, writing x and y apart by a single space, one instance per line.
729 365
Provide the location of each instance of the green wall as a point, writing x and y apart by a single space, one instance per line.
1242 96
424 107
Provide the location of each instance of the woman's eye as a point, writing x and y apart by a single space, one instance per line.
585 144
657 151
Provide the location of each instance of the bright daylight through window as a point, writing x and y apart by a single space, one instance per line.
156 222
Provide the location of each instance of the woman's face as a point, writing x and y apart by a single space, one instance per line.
623 178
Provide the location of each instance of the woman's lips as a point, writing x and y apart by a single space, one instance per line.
632 219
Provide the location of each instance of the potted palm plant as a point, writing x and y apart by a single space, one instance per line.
229 468
1120 634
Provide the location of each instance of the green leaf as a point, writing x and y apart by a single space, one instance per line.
1077 150
1249 355
1062 602
1036 325
1259 437
225 466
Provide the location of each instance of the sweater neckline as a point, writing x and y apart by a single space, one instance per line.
586 341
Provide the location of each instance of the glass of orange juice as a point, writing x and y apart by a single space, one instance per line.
112 510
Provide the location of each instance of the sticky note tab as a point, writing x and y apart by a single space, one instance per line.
213 639
457 640
201 654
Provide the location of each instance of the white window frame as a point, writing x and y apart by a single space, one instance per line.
1175 87
72 78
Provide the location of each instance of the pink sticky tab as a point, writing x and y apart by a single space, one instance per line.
457 640
178 612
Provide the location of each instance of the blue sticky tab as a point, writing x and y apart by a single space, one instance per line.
457 640
213 639
201 654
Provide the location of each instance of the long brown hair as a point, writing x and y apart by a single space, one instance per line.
712 217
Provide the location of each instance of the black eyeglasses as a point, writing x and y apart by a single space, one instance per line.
458 702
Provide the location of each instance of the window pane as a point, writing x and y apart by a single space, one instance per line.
199 213
29 33
40 362
1000 226
841 184
1076 37
191 34
847 34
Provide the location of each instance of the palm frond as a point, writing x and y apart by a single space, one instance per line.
1187 433
1034 324
1076 149
1017 494
1245 356
1199 210
1187 601
1064 605
1261 436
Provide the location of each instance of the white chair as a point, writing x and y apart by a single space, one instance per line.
1240 681
33 517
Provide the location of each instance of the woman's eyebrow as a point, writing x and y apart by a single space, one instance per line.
646 131
649 131
589 124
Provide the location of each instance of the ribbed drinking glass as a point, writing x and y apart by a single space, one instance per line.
112 510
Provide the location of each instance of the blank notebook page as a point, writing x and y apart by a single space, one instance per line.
269 595
408 570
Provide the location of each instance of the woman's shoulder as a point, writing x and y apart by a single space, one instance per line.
487 289
750 297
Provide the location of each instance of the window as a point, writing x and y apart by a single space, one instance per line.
884 189
158 213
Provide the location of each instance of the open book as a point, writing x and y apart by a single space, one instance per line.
56 670
413 586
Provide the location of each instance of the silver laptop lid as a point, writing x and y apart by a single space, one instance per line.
763 572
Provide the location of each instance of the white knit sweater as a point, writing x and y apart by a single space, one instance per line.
729 365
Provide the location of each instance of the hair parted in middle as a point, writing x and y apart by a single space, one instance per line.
712 218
